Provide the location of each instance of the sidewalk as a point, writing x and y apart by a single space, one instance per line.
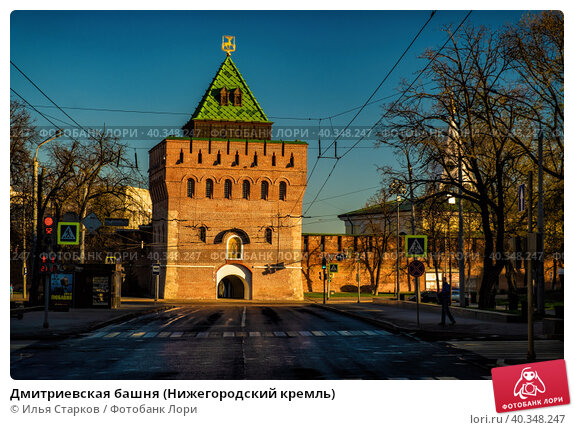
499 342
491 325
76 321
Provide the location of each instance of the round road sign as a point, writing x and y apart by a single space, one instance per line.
416 268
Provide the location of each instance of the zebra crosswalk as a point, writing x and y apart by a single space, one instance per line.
139 334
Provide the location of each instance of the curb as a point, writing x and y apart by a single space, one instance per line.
393 328
420 334
89 327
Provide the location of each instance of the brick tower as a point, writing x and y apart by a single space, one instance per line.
227 201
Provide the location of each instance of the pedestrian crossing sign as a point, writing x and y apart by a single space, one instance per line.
68 233
416 246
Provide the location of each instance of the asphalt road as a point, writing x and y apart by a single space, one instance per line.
242 342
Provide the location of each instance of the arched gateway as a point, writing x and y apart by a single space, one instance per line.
233 282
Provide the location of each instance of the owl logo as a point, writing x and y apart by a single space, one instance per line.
529 384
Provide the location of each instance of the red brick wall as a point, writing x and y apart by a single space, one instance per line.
190 265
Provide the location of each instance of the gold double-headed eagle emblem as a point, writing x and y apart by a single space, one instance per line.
228 44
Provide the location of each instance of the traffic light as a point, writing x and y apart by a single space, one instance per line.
324 263
47 263
44 263
48 231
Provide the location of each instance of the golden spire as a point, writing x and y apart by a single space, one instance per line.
228 44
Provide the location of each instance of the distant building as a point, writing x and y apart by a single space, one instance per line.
377 218
138 206
227 201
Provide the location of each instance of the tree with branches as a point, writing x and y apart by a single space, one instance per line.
464 125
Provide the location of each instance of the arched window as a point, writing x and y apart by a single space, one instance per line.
227 189
191 188
202 234
273 160
264 190
237 158
246 189
218 159
209 189
282 190
269 235
234 248
254 164
199 157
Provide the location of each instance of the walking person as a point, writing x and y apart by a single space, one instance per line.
444 297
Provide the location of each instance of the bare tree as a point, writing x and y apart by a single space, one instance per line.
23 135
465 115
78 175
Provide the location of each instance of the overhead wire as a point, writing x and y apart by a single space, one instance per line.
368 101
383 81
403 93
51 101
33 107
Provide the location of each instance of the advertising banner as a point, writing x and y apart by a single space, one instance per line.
61 287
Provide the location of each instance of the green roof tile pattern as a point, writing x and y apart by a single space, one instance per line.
209 109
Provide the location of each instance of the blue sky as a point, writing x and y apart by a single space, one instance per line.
299 64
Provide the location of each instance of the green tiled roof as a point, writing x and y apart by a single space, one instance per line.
229 77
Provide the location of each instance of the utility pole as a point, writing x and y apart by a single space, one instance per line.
397 188
82 230
35 206
359 277
398 246
24 260
45 277
460 253
324 266
413 231
328 279
449 254
531 355
540 238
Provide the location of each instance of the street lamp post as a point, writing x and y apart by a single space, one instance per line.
460 253
451 201
398 245
36 201
398 188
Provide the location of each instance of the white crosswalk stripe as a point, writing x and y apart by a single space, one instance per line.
134 334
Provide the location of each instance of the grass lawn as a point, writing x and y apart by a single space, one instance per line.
345 295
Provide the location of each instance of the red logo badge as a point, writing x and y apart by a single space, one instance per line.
529 386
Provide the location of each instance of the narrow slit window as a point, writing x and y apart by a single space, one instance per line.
246 189
209 189
269 235
191 188
282 190
264 190
227 188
